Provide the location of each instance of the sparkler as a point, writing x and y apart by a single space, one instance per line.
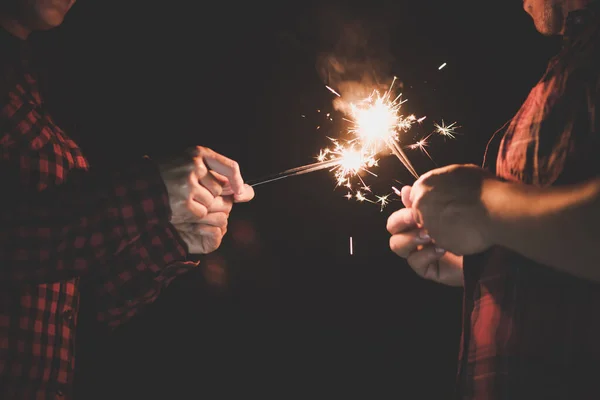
376 125
377 122
298 171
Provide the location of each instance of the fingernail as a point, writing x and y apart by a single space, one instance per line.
424 236
439 250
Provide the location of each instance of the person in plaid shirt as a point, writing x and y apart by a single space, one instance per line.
524 241
128 232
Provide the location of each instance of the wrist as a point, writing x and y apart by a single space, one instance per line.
505 204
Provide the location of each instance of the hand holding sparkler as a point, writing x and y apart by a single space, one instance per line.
202 186
452 203
413 243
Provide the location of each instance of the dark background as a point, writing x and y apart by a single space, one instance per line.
283 310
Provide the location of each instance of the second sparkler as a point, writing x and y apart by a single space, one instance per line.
376 126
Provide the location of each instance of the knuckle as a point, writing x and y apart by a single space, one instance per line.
234 166
197 209
217 236
396 246
200 168
222 219
391 224
216 191
389 228
201 150
204 152
192 178
210 202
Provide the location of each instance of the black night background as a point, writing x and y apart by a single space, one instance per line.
283 310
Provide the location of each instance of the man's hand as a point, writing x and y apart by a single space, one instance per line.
414 244
194 182
202 189
448 203
205 235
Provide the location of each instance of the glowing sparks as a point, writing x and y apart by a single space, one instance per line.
446 130
376 120
351 246
383 200
397 191
421 144
349 162
376 125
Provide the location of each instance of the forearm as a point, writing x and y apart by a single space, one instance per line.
558 226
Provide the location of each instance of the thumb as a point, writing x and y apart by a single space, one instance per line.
405 195
246 195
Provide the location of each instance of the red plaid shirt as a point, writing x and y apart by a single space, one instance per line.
63 224
531 332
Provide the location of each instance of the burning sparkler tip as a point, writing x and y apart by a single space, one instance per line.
376 124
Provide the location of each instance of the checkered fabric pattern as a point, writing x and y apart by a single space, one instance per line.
62 223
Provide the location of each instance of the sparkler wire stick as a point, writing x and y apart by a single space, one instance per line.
305 169
398 152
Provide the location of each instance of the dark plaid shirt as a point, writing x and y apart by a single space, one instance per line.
531 332
63 224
